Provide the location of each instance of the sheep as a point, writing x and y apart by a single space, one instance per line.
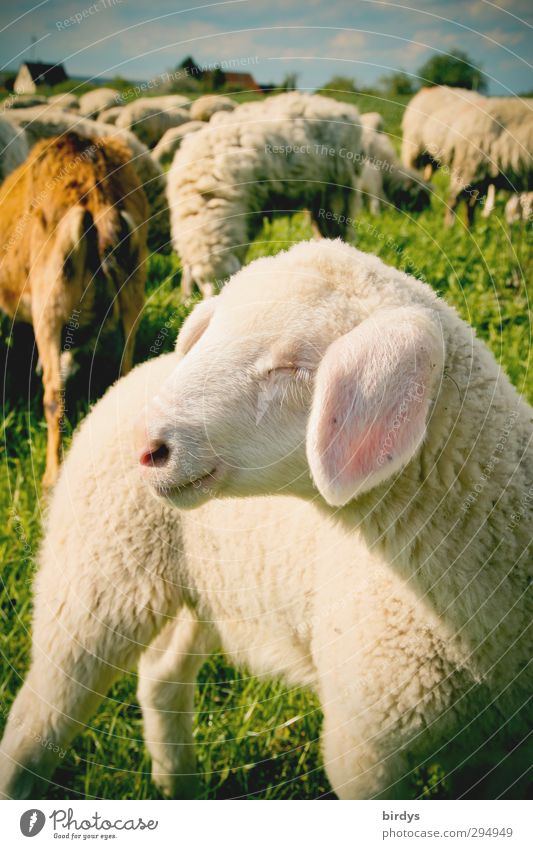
383 586
373 120
169 143
44 122
519 207
73 217
150 117
13 148
425 123
93 102
67 101
208 105
493 146
383 177
287 152
109 116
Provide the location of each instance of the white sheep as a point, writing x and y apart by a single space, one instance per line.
150 117
109 116
208 105
67 101
396 586
43 122
169 143
383 177
425 123
287 152
13 148
93 102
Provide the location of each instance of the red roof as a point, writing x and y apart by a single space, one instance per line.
243 81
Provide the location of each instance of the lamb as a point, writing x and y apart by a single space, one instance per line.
169 143
73 217
46 122
95 101
67 101
149 118
288 152
383 178
109 116
208 105
411 629
13 148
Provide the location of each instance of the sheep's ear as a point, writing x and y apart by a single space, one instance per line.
371 401
195 325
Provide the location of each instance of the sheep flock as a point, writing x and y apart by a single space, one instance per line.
330 479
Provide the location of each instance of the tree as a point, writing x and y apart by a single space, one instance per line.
397 83
344 84
454 69
289 82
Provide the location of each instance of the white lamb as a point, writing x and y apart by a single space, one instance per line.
397 586
44 121
287 152
13 148
383 178
150 117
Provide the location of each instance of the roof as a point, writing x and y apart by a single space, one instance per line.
41 72
244 81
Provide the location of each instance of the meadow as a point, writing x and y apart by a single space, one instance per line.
253 738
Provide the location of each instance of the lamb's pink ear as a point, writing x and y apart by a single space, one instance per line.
195 325
371 401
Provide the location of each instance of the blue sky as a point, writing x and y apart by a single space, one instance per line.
317 39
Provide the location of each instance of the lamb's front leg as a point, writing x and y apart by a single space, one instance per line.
167 678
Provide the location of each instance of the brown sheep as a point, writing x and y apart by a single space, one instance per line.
72 219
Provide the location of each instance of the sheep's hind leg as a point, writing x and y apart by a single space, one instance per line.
79 650
167 677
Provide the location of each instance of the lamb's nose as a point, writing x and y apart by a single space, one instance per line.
155 454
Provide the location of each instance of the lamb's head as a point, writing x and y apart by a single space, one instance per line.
303 374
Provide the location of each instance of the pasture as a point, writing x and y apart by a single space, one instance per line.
253 739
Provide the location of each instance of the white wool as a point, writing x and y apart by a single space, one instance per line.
405 611
95 101
303 148
65 101
169 143
150 117
208 105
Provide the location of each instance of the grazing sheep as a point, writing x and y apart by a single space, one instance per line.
45 122
426 121
398 594
288 152
109 116
13 148
95 101
383 178
491 146
373 120
73 219
66 101
24 101
208 105
167 146
150 117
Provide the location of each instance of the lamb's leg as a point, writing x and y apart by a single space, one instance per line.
80 647
428 172
131 300
167 676
48 325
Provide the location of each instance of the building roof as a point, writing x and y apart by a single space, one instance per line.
244 81
43 73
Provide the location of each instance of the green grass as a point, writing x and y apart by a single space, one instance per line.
253 738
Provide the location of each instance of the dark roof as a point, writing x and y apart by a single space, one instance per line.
49 74
245 81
